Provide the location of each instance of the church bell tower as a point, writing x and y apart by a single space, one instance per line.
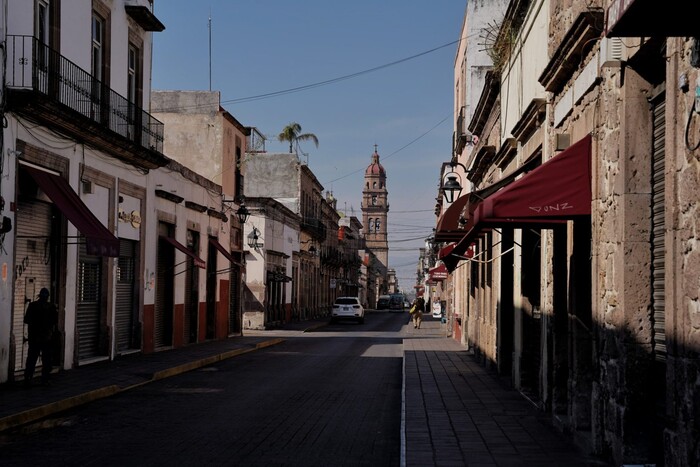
375 208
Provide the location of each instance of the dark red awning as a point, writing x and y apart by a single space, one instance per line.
199 262
448 228
548 195
222 250
445 251
559 189
99 240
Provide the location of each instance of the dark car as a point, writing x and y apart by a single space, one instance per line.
383 302
396 302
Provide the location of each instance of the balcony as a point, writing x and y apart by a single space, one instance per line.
314 227
47 88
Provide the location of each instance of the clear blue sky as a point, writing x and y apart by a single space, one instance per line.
264 46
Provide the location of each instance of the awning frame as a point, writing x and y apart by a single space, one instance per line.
100 241
198 262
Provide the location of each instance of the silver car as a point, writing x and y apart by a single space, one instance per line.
347 308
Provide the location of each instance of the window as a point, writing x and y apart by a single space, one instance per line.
374 184
377 225
374 200
42 28
98 37
42 21
371 225
132 74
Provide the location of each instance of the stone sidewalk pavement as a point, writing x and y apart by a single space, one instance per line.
457 413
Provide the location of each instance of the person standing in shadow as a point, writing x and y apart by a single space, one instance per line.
41 319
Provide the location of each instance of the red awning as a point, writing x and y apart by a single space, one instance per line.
448 228
445 251
223 251
559 189
197 260
99 240
438 273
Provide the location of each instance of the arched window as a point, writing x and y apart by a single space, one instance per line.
377 225
374 184
374 200
371 225
368 185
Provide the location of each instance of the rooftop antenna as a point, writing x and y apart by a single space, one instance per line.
210 48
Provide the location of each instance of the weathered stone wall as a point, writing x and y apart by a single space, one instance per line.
682 300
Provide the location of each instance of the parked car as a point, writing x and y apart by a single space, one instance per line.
396 302
383 302
347 308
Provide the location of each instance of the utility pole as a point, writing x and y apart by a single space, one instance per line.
209 48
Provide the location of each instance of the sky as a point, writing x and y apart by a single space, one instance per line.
355 74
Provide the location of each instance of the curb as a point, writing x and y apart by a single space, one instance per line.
35 414
32 415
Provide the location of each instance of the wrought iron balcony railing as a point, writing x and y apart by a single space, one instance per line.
315 227
34 66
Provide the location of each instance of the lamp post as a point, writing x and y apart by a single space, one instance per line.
242 213
452 188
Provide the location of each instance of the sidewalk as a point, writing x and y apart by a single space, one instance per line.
459 413
455 411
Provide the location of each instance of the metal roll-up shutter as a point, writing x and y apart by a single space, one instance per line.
658 247
125 289
32 266
88 303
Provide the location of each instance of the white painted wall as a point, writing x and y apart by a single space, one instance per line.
520 85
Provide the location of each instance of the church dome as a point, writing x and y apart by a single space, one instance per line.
375 168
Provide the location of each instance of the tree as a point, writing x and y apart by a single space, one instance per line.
292 133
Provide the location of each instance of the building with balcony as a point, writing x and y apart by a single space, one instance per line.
92 208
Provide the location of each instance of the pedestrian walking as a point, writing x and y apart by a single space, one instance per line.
41 319
417 310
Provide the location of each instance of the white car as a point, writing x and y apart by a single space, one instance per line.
347 308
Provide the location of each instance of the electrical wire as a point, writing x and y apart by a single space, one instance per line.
324 82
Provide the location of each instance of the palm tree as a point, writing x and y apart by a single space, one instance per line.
293 134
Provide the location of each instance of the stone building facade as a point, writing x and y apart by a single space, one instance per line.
579 233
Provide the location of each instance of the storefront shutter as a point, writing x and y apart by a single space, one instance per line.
88 303
33 266
658 247
124 312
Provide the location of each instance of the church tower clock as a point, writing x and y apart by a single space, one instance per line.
375 208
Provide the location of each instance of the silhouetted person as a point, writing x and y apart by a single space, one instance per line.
41 319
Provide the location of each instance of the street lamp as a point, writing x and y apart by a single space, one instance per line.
452 188
242 213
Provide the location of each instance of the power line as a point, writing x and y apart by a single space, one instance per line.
305 87
397 151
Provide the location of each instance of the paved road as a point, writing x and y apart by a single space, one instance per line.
319 399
